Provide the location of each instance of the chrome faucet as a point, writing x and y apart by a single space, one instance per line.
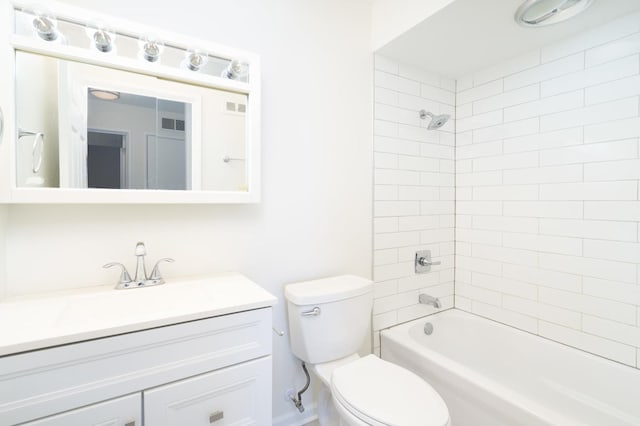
141 269
141 279
425 299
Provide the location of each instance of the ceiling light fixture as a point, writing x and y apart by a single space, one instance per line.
537 13
105 95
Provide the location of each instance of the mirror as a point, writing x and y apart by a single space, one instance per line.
88 126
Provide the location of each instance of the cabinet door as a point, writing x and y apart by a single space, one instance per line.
125 411
238 395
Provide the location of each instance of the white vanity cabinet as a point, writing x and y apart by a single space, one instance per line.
211 371
125 411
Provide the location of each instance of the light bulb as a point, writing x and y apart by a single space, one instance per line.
236 69
151 48
195 60
102 41
45 27
102 38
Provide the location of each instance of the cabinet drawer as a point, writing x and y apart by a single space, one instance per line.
125 411
49 381
238 395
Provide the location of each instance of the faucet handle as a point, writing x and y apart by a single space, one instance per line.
155 272
125 278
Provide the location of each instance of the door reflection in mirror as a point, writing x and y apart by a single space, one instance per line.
136 142
106 160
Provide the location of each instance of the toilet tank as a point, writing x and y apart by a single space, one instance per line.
329 318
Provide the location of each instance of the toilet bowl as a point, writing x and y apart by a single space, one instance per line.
371 391
328 321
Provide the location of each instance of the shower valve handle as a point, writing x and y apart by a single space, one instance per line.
423 261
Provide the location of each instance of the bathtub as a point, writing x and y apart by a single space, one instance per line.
490 374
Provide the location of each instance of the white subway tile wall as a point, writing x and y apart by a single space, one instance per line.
414 194
548 178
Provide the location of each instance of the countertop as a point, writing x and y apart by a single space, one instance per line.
39 321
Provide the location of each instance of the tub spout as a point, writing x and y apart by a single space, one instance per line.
429 300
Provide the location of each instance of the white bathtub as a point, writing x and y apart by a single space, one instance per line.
490 374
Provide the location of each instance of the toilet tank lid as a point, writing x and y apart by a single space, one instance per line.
326 290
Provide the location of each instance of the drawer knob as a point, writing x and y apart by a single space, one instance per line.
215 416
130 424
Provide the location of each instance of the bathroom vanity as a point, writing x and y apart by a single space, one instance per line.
194 352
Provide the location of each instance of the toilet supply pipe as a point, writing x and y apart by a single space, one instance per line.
298 401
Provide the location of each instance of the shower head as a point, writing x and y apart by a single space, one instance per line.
437 121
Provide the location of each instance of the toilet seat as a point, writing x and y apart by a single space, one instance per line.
382 394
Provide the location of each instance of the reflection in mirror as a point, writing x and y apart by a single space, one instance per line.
136 142
95 127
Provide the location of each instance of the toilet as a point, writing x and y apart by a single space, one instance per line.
328 322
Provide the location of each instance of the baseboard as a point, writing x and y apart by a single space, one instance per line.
294 418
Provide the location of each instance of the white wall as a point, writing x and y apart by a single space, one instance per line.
391 18
413 194
547 178
3 258
315 217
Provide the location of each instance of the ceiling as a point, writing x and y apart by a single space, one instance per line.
469 35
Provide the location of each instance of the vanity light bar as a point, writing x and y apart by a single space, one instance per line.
151 48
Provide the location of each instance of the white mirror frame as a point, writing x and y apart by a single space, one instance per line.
10 42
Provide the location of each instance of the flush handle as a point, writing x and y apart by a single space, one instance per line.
312 313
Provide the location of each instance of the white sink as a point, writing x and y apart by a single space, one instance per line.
139 303
40 321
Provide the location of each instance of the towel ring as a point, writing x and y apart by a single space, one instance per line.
36 149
